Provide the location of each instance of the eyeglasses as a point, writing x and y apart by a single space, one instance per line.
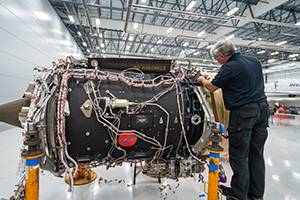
215 57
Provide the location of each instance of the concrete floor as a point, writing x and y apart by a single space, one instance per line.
282 178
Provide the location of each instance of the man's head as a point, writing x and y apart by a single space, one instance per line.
222 51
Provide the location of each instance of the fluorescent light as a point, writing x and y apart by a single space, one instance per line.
271 60
281 43
71 18
191 5
259 39
128 47
232 11
159 41
79 33
185 44
229 37
130 38
293 55
143 1
210 46
201 33
274 53
88 50
103 51
182 52
261 52
169 30
84 44
102 45
152 49
98 22
135 25
100 35
196 53
297 24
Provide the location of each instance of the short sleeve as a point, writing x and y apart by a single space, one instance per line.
223 76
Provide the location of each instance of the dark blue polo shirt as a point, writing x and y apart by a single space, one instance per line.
241 80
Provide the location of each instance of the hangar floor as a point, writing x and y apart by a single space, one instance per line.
282 177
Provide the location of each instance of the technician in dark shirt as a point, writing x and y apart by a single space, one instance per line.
241 81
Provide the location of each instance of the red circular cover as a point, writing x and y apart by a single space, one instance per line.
127 139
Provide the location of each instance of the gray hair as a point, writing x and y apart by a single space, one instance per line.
224 47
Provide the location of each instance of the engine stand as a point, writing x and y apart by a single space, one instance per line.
214 161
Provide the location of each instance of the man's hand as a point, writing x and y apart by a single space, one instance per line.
207 84
200 79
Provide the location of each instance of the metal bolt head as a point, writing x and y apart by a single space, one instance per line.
86 106
87 133
88 149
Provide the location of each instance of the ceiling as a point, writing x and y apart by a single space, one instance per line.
141 28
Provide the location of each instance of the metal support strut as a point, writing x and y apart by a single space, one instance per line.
214 162
32 156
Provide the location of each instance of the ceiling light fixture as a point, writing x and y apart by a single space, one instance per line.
210 46
182 52
281 43
191 5
128 47
169 30
100 35
71 18
159 41
271 60
143 1
297 24
232 11
88 50
103 51
152 49
79 33
261 52
102 45
201 33
293 55
274 53
98 22
196 53
130 38
135 25
84 44
229 37
185 44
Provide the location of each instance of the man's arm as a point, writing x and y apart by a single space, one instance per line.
207 84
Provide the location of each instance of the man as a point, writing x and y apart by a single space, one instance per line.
242 84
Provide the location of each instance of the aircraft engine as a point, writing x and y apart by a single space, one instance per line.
110 111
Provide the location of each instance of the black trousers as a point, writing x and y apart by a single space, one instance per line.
247 135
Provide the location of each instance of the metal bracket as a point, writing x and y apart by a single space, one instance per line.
86 108
210 119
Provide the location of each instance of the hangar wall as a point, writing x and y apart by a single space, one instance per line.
31 34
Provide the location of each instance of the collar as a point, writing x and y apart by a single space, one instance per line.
233 56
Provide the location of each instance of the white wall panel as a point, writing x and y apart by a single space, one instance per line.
31 34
